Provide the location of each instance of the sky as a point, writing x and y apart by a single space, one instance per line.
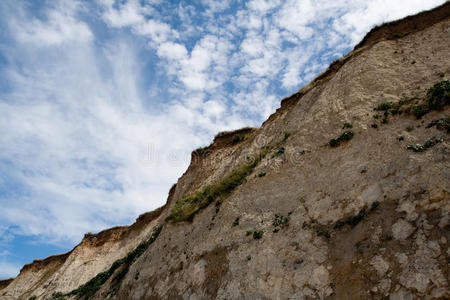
101 102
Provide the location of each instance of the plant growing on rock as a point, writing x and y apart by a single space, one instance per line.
287 134
186 208
428 144
279 221
439 95
258 234
440 124
346 136
237 138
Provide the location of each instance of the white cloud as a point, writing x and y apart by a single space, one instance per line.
127 13
172 51
8 270
60 27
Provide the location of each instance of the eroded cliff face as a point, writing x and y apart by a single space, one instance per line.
284 212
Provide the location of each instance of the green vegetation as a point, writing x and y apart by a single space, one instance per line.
346 136
258 234
287 134
400 138
248 232
280 221
440 124
385 106
262 174
34 297
89 289
237 138
347 125
135 254
439 95
395 36
442 75
58 296
203 151
420 110
236 222
186 208
436 98
428 144
376 116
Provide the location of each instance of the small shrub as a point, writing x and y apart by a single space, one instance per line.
439 95
287 134
258 234
248 232
419 110
374 125
385 121
400 138
376 116
413 62
442 75
347 125
34 297
428 144
58 296
262 174
237 138
236 222
346 136
385 106
410 128
441 124
404 101
280 221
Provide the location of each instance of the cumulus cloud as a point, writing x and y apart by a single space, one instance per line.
99 117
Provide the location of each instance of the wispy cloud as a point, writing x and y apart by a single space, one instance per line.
102 102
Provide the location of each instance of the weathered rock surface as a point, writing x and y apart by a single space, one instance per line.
368 219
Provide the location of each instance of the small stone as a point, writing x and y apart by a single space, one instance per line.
380 265
402 230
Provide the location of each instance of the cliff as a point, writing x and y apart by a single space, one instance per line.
343 193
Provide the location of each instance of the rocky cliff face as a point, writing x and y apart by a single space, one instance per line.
343 193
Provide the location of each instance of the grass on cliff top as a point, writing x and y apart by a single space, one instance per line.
89 289
186 208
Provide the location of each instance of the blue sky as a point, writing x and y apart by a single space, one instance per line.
101 102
